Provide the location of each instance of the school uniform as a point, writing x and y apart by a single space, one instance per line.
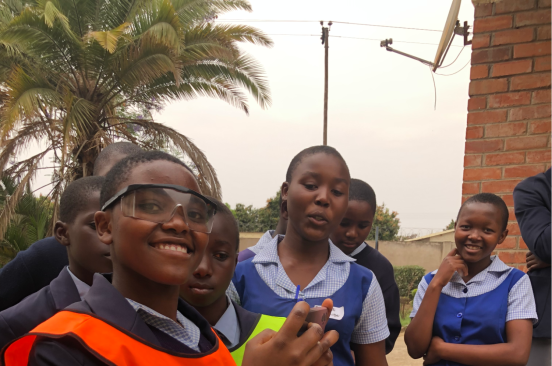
106 328
237 326
477 312
63 291
370 258
260 284
532 208
31 270
252 251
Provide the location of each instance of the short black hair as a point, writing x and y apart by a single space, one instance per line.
492 199
122 148
224 211
75 197
120 171
361 191
312 151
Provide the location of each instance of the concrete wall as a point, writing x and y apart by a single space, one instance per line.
427 255
508 124
399 253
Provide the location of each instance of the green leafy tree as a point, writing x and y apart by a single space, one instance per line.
29 222
450 225
78 75
252 219
388 222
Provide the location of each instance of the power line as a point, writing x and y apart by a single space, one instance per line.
454 73
361 38
317 21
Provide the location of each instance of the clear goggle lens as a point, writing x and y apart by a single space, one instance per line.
159 205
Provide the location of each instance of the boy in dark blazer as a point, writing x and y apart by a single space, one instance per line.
532 208
87 254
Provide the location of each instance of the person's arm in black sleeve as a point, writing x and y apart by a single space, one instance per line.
14 279
66 351
532 209
392 308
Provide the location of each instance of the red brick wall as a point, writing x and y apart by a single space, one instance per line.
508 131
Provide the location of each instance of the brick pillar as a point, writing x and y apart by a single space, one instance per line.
508 131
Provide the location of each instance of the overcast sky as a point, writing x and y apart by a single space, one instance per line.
381 106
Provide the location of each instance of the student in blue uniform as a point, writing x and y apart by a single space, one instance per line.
349 236
267 237
474 310
206 291
37 266
156 225
316 195
76 231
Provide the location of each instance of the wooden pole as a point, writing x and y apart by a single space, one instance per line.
326 32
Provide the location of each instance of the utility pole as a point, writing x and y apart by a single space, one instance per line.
325 41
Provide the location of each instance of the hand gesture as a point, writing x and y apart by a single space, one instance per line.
432 355
312 348
534 262
452 263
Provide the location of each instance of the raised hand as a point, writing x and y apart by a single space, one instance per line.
270 348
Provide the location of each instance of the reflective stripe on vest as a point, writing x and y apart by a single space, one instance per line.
265 322
108 343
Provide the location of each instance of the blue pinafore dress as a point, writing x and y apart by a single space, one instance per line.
474 320
256 296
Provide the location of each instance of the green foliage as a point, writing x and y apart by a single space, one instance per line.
76 76
258 219
388 222
408 278
450 225
28 224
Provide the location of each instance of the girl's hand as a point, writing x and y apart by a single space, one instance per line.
432 355
452 263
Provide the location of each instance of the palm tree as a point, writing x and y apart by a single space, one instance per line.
76 75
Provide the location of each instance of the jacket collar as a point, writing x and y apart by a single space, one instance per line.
109 304
64 291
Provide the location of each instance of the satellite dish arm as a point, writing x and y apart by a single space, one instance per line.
387 42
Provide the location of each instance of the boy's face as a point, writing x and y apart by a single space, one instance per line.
136 249
478 231
213 275
87 254
317 196
354 227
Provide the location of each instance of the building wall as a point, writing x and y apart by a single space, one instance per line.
508 129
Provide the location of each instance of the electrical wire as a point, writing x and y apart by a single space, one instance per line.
318 21
434 89
361 38
442 67
454 73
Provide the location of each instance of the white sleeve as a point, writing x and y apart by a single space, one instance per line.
422 288
372 325
521 301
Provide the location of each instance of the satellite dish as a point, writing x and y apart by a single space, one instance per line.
452 28
448 31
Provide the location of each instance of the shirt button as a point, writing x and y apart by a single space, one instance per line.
459 315
465 290
457 338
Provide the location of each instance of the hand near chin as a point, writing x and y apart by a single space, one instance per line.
312 348
451 263
432 355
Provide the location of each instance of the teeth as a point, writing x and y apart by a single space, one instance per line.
172 247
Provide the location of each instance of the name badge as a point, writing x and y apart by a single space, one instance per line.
337 312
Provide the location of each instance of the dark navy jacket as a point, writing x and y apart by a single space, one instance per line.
38 307
383 270
107 303
31 270
532 207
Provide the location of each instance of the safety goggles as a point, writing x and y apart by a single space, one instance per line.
159 202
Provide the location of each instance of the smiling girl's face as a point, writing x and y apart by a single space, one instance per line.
317 196
478 230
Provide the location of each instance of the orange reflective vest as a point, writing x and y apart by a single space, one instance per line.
113 345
